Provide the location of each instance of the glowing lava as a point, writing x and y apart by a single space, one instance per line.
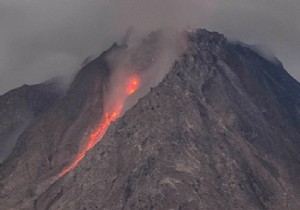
133 85
108 117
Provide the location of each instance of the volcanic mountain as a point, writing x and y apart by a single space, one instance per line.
220 131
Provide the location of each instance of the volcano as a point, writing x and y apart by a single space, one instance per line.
220 131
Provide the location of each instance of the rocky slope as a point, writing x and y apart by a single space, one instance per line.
21 106
221 131
46 146
51 142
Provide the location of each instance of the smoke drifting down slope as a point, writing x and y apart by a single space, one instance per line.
221 131
135 68
122 74
110 115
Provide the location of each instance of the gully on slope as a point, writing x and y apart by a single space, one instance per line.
109 116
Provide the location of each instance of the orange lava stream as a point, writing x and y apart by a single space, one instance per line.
108 118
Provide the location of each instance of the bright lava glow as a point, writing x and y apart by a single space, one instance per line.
107 119
133 85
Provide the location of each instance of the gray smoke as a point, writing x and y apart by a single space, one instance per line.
147 60
40 39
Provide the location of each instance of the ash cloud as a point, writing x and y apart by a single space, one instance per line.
40 39
148 60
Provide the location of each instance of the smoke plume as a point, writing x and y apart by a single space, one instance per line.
147 60
40 39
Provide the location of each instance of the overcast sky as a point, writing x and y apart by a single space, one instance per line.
40 39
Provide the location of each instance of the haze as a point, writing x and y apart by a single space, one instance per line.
41 39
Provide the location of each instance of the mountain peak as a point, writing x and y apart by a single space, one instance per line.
221 131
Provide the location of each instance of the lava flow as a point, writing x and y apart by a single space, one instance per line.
133 85
107 119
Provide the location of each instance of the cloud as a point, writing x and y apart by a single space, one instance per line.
272 24
40 39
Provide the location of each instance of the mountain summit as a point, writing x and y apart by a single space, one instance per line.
221 131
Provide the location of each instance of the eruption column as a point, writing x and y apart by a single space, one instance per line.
108 117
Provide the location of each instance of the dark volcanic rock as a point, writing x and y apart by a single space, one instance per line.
220 132
19 107
51 141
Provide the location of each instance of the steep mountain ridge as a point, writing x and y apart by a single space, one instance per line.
219 132
51 143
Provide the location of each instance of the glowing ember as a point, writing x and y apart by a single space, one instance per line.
133 85
107 119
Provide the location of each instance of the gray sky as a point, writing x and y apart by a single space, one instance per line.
40 39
